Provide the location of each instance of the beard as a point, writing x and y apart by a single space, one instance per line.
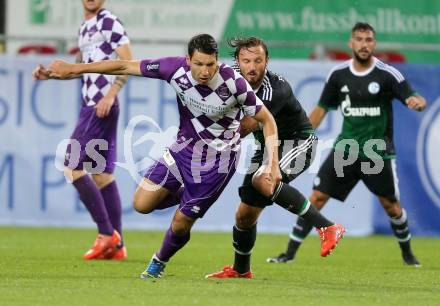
362 60
256 81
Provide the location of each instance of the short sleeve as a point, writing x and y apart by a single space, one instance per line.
161 68
329 96
246 97
114 32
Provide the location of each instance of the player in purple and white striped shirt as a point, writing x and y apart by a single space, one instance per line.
211 98
101 37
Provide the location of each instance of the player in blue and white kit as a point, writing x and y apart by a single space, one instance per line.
101 37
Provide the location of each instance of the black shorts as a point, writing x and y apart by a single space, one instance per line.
337 181
295 156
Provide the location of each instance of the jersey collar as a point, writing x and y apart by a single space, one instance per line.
211 82
362 73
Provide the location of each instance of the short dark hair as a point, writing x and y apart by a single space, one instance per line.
363 26
239 43
204 43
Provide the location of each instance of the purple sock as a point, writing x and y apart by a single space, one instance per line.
92 199
112 202
171 244
171 200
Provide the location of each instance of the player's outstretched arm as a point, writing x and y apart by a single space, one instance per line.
59 69
417 103
40 73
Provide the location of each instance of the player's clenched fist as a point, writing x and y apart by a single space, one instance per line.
40 73
266 179
247 125
416 103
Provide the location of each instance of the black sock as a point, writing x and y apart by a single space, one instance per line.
243 242
315 218
299 232
292 200
292 247
401 231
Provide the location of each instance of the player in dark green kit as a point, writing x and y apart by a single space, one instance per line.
296 152
363 88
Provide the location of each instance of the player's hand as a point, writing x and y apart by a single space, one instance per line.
266 179
40 73
247 125
416 103
59 69
104 106
275 173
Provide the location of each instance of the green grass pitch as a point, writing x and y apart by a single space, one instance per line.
41 266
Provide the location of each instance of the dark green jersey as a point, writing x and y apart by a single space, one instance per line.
365 99
277 96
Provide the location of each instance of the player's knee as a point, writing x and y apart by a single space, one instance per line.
72 175
318 199
68 174
139 207
181 224
263 183
103 179
141 204
148 196
180 229
395 212
391 206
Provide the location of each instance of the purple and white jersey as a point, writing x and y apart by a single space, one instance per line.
209 112
98 39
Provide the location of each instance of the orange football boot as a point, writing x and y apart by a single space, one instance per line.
229 272
120 254
329 237
104 246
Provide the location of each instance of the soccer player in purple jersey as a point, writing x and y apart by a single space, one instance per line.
211 99
101 37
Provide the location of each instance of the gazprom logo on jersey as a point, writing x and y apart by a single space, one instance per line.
428 152
349 111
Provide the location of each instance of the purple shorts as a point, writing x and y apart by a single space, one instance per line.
203 178
93 134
